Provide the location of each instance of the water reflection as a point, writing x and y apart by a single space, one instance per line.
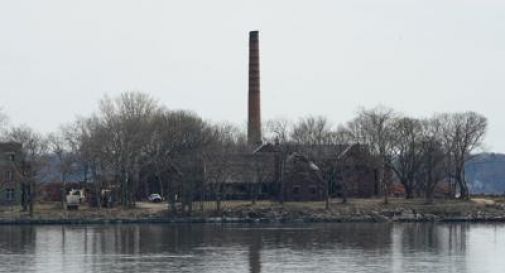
17 240
430 247
256 248
254 253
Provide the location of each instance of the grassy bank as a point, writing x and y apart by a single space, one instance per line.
369 210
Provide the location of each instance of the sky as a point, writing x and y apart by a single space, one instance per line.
59 58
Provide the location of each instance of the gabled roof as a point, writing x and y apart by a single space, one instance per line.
351 150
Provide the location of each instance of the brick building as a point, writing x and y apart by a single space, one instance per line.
10 156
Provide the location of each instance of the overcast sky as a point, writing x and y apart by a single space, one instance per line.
58 58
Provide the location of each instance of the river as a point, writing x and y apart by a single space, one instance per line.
204 248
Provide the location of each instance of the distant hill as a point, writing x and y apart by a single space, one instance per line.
485 173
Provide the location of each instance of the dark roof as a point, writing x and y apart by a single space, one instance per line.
313 152
241 168
10 147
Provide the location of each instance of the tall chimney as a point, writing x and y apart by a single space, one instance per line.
254 120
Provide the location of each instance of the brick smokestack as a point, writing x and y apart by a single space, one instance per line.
254 119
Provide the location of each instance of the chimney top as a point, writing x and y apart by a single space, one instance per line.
253 35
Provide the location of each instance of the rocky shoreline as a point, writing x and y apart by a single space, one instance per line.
362 210
255 217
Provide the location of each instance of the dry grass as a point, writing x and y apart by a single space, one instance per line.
53 210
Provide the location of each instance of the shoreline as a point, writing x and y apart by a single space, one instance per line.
230 220
357 211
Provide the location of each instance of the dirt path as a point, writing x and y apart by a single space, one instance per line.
483 201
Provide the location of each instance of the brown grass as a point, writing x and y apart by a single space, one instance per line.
53 210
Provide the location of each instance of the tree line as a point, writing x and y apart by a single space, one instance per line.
132 137
421 152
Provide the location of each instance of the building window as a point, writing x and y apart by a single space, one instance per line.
296 190
12 157
9 194
313 190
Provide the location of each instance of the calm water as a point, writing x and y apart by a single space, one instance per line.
257 248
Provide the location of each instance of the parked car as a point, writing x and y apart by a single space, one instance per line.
155 198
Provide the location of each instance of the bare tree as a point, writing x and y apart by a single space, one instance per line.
128 120
463 133
29 168
132 142
312 134
373 127
312 131
219 158
343 135
279 130
94 154
190 136
433 167
61 144
406 152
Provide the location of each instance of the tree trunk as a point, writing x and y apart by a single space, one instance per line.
281 193
173 203
463 187
385 186
218 205
408 190
218 198
63 196
98 190
429 197
171 196
190 205
344 191
386 199
254 192
31 196
24 196
281 181
98 196
327 195
202 199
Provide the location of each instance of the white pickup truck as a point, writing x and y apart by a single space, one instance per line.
74 198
